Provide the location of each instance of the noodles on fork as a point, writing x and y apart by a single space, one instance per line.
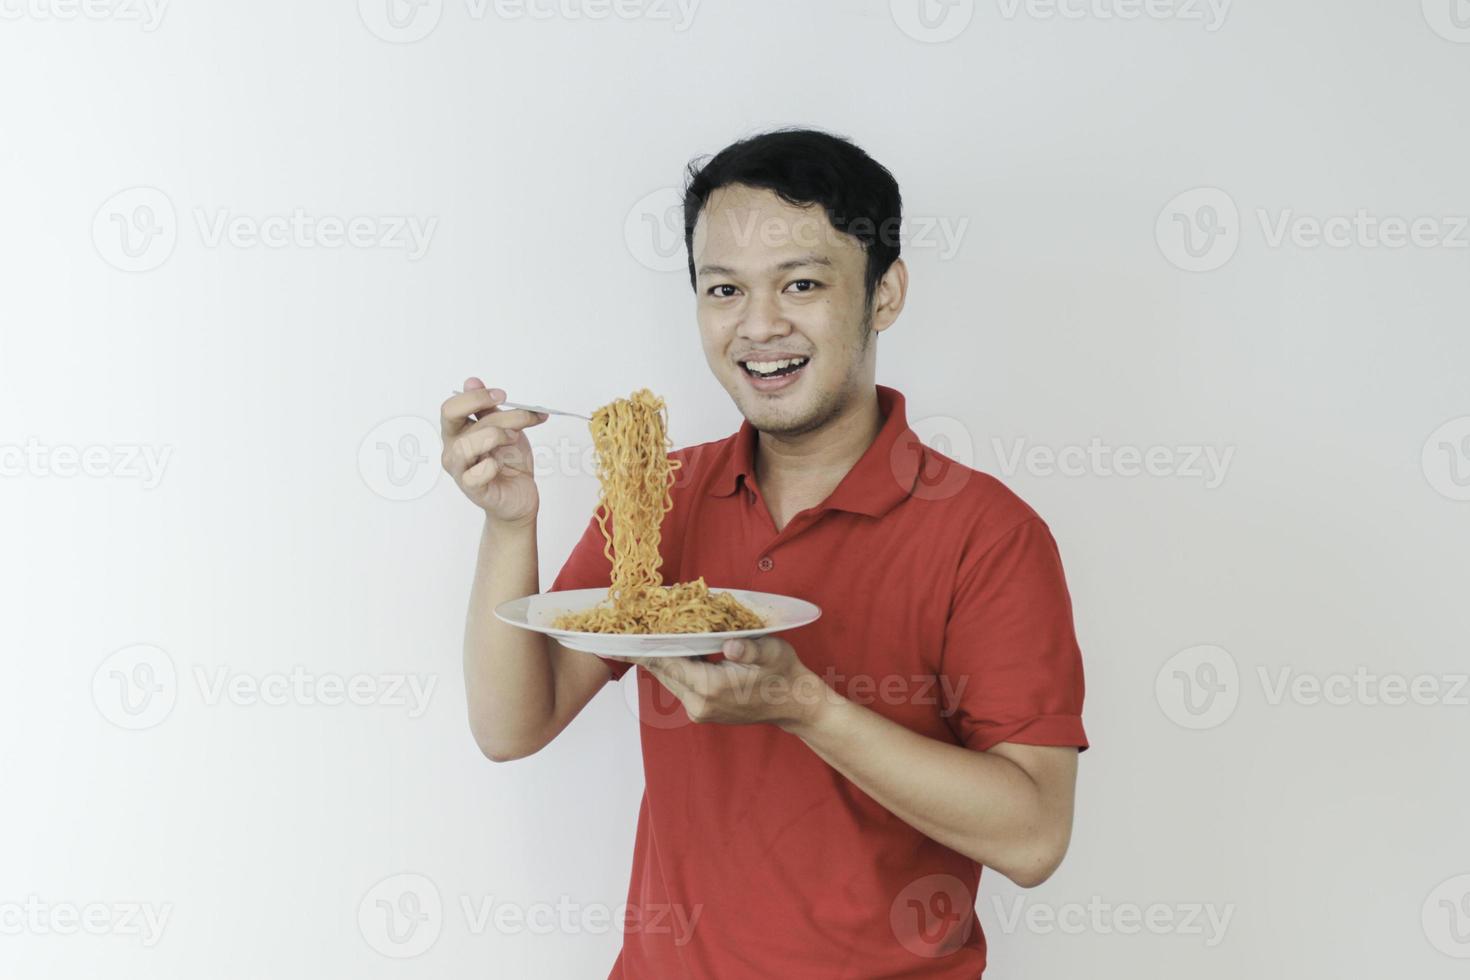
635 472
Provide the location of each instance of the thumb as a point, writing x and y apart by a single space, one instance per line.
741 651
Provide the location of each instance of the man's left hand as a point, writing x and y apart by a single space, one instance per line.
760 680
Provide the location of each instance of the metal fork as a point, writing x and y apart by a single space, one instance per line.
537 408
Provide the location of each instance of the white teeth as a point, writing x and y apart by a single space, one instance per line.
767 367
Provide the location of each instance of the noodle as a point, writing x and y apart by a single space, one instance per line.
635 472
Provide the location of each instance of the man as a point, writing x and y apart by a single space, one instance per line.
819 803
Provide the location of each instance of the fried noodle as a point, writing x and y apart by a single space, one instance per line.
635 473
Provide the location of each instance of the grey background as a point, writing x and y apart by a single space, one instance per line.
298 524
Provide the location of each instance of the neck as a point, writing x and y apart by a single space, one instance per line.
818 460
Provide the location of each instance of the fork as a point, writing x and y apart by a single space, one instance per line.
537 408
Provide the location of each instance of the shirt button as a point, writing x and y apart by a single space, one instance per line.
765 564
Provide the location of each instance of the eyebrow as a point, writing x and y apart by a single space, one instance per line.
787 266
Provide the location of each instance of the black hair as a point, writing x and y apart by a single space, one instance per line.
805 167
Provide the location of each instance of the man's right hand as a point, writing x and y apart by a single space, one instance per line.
490 458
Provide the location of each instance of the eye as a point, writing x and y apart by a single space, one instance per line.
808 282
715 291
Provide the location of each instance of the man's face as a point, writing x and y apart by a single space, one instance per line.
775 281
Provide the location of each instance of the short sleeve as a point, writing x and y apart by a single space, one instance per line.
1011 667
588 568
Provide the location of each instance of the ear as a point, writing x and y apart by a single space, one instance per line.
889 296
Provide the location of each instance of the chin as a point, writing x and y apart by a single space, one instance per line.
784 420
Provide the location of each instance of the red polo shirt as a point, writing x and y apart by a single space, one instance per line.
945 609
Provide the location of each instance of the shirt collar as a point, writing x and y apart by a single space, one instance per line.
882 477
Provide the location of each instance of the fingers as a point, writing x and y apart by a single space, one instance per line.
454 414
467 443
673 674
759 650
479 476
470 446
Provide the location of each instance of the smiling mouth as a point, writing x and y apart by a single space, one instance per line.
774 369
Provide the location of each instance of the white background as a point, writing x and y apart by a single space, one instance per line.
1332 835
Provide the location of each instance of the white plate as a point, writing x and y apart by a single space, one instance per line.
535 612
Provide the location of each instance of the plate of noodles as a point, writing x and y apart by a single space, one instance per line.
542 612
637 615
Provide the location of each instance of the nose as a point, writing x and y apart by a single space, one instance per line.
764 318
